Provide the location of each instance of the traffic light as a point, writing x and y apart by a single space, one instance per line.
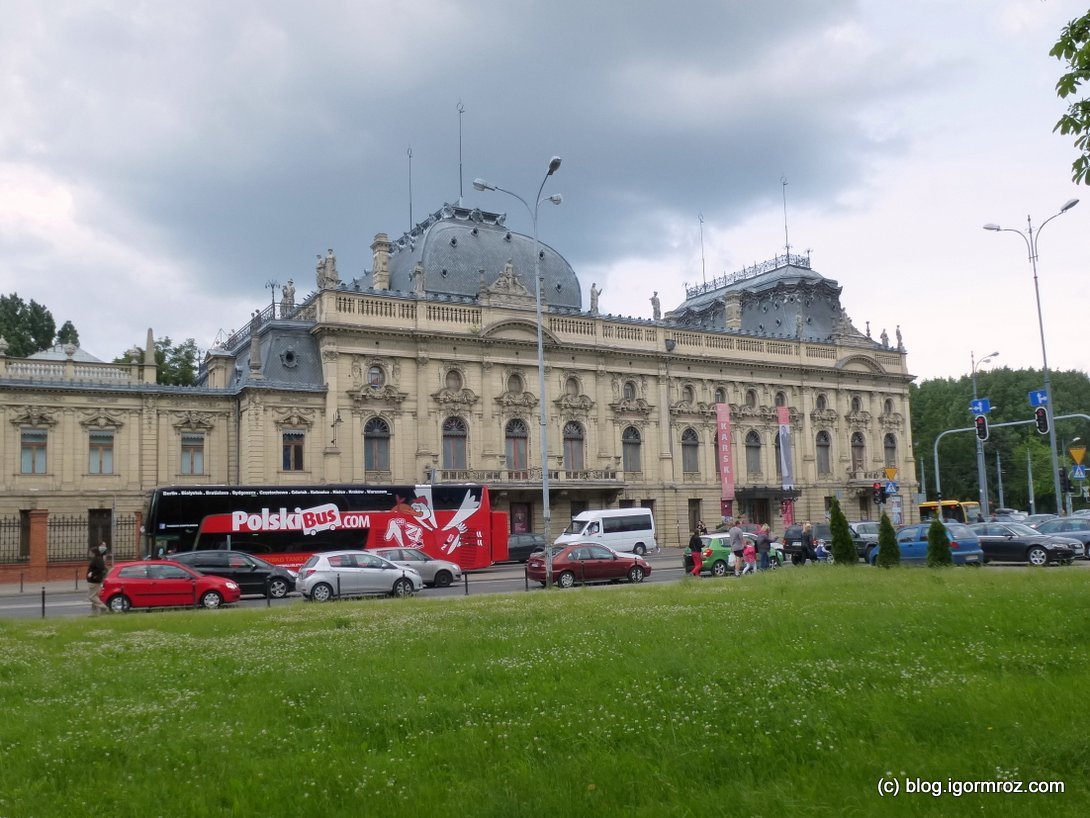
879 494
981 422
1040 415
1065 484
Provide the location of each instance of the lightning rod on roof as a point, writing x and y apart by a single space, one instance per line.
461 110
409 153
703 271
786 240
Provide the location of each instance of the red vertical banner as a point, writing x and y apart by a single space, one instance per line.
726 458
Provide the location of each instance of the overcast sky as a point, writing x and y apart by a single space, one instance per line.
161 162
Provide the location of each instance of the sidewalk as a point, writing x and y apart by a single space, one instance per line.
56 586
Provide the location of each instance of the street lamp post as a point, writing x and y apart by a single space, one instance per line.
981 472
546 512
1031 246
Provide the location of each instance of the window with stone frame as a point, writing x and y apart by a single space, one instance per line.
376 445
858 444
100 452
192 460
574 447
889 445
823 443
516 439
292 441
455 440
690 451
753 454
631 443
32 458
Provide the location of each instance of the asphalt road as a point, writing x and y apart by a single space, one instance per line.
62 599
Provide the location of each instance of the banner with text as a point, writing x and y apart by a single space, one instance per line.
722 439
785 447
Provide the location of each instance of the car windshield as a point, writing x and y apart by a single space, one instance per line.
1022 530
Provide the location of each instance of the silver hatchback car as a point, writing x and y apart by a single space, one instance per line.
435 572
354 573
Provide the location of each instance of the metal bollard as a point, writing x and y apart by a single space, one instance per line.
465 579
268 596
20 582
77 581
43 602
338 586
526 577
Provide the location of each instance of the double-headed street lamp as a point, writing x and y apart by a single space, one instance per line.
981 474
546 513
1031 246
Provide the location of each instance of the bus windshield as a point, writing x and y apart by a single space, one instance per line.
961 511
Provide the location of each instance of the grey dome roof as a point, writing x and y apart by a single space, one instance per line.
455 244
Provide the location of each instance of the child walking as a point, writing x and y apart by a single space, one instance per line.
749 557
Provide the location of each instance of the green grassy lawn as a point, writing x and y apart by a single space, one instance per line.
784 694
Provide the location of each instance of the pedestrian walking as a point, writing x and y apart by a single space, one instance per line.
764 543
694 549
737 546
96 572
807 541
749 557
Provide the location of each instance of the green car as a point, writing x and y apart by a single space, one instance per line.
717 558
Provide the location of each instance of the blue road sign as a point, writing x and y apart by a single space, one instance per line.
980 407
1079 472
1038 397
891 487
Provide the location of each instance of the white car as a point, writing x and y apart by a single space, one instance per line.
436 573
354 573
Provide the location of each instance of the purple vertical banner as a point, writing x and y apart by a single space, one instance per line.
726 459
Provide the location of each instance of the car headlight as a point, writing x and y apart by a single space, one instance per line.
233 586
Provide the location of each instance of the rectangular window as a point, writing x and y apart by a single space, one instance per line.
101 459
293 450
192 453
32 460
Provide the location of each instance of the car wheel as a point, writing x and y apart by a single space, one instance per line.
278 588
1037 556
719 568
322 592
211 599
566 579
640 549
635 574
119 603
443 579
403 588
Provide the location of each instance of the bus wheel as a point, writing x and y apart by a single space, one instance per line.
443 579
322 592
119 603
566 580
402 588
278 588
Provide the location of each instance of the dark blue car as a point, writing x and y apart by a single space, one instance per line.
912 540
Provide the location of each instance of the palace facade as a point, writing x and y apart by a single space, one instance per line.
426 369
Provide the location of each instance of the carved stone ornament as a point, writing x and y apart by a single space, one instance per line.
824 418
33 416
631 406
517 404
858 420
297 418
693 408
194 421
507 290
572 407
100 419
386 395
455 399
762 415
893 420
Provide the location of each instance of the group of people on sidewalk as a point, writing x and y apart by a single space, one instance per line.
749 557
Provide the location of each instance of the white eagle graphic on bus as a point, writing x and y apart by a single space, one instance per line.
419 516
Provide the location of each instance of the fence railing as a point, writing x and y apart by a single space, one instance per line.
14 548
69 537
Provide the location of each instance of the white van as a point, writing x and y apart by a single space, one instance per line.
622 529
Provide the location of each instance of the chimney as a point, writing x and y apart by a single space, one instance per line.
380 273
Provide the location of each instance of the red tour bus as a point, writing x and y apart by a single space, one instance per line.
286 524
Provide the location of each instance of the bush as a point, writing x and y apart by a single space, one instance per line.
889 553
843 549
938 544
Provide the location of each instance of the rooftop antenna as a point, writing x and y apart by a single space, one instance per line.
409 152
461 110
786 240
703 271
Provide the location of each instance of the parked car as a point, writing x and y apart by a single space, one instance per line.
588 562
521 546
1017 542
1075 528
355 573
718 560
864 543
164 584
1036 519
253 574
436 573
912 541
1008 515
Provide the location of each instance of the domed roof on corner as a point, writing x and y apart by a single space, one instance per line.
455 244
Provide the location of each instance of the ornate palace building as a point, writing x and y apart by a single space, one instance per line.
426 369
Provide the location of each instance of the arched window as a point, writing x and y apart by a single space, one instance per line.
629 390
454 443
753 453
687 394
454 380
574 444
858 445
515 384
690 452
781 399
376 377
751 398
376 445
889 406
516 435
857 404
890 446
824 462
571 387
822 403
630 450
720 395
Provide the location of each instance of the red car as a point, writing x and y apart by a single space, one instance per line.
588 562
164 584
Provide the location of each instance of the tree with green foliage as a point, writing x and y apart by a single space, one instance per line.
176 365
938 545
889 553
843 549
28 328
1073 48
67 334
